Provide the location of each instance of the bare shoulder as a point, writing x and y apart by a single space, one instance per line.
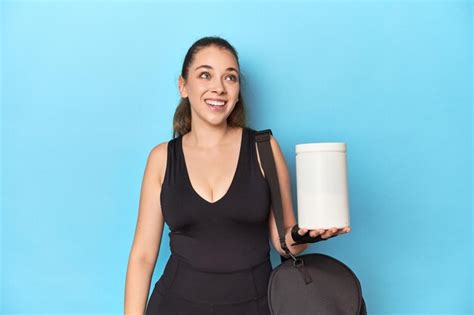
277 153
274 144
157 159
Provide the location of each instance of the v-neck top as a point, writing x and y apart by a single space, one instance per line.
228 234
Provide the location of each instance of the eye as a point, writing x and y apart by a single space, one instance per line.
234 78
205 72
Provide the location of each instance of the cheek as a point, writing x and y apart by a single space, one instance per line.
234 90
196 91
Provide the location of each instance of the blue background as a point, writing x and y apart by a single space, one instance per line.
88 88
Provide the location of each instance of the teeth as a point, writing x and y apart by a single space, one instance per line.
215 103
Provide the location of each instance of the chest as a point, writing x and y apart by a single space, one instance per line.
215 187
211 173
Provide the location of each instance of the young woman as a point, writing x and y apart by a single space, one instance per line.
208 185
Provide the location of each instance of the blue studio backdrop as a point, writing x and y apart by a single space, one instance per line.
89 87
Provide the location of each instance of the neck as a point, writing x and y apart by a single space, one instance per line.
206 136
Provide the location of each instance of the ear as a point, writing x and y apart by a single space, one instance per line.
182 88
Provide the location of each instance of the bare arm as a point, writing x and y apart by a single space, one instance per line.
288 214
148 233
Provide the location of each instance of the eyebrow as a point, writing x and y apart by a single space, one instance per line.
209 67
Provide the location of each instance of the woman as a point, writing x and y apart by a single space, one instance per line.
208 184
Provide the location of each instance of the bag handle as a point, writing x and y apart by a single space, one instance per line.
268 163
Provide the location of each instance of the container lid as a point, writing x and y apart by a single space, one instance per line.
320 146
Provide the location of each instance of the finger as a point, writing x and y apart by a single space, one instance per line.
321 232
315 233
345 230
302 231
329 232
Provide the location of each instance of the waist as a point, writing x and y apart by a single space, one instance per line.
237 252
183 279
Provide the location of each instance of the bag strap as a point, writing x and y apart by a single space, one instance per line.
271 176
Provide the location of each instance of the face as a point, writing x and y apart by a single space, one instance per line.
213 80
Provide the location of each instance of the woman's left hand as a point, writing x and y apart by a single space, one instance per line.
325 233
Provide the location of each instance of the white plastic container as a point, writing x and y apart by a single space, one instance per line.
321 180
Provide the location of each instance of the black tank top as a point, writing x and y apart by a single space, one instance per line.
229 234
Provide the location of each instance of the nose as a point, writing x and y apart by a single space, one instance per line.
218 87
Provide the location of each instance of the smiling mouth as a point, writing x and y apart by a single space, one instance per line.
216 103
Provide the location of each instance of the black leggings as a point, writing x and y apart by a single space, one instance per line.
183 289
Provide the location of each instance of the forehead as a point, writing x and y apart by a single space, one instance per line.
215 57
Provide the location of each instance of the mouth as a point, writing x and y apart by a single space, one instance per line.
214 102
